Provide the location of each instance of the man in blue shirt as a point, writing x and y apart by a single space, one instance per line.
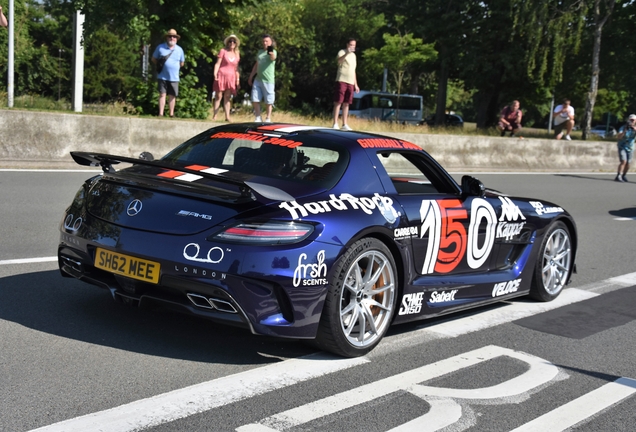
168 77
626 136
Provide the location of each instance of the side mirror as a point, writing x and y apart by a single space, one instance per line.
472 186
146 156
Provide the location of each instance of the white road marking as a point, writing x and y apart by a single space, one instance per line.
582 408
628 279
202 397
625 218
539 373
28 260
205 396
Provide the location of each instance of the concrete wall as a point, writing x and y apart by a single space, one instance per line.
40 139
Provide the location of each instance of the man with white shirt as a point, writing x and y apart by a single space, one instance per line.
563 116
346 84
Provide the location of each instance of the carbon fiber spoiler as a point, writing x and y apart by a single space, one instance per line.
106 162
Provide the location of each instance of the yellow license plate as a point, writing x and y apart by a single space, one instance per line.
126 265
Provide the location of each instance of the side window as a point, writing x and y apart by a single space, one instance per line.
386 102
410 103
365 102
228 160
410 177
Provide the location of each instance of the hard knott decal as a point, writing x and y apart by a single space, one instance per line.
344 202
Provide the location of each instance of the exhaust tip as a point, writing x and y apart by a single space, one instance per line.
200 301
211 303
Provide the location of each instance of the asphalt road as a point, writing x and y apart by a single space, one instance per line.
68 353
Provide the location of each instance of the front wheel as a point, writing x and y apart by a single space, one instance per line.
554 263
361 300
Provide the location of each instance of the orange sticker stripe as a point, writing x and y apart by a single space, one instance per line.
387 143
170 174
189 177
197 167
273 127
180 175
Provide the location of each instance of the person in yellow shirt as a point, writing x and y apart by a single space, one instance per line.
346 84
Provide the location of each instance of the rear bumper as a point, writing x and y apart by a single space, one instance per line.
262 307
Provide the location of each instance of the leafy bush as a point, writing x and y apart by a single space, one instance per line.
191 103
145 98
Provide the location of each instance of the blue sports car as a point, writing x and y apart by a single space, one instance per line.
310 233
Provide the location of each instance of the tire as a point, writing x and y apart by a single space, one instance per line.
361 300
554 264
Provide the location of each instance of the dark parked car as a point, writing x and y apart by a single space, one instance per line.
450 120
310 233
603 131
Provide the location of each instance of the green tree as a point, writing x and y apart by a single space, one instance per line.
602 10
35 65
399 53
308 34
617 59
288 34
201 24
328 25
111 66
446 25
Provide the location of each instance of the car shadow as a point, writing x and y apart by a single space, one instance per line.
453 316
629 212
593 177
47 302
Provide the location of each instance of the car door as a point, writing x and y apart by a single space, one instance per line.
452 236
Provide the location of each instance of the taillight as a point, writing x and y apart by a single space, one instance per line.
265 233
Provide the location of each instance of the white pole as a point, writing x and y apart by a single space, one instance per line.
11 56
550 115
78 61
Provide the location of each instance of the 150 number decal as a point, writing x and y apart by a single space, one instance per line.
448 242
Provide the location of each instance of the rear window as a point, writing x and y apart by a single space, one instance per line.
301 159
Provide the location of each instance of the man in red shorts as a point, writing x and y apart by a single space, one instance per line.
510 119
346 84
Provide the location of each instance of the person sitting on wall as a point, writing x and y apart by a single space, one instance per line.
563 116
510 120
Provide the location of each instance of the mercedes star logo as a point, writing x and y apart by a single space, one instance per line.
134 207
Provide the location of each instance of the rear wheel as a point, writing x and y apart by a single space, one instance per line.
554 263
361 300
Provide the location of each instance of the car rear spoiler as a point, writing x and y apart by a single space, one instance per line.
106 162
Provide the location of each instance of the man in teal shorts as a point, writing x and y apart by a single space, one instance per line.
626 136
263 85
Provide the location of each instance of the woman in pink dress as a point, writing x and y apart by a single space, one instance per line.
226 75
